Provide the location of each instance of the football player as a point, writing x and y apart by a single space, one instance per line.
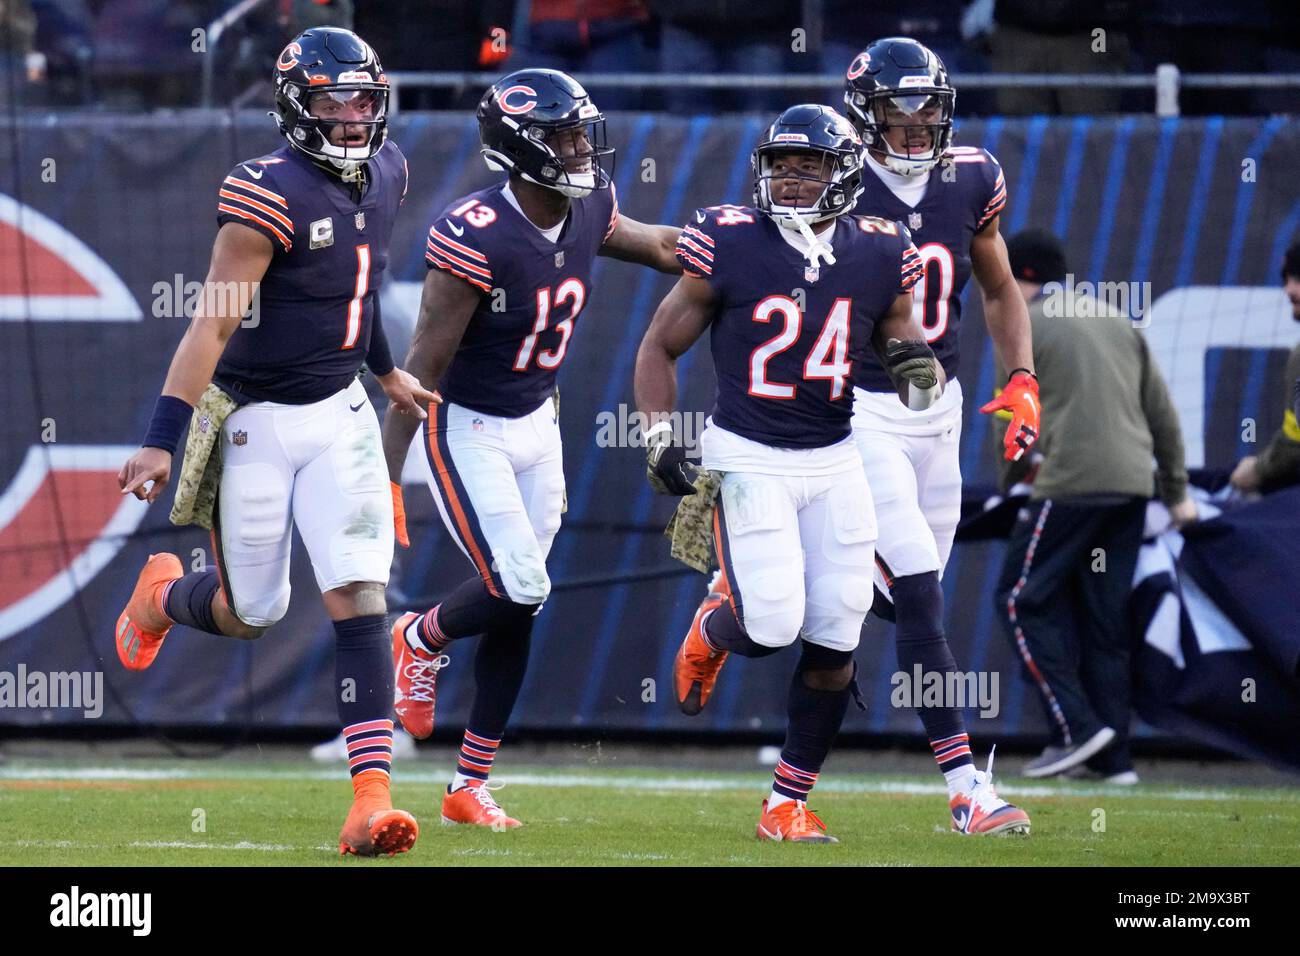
509 274
789 291
898 97
308 227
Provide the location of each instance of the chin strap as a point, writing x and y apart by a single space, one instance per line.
817 248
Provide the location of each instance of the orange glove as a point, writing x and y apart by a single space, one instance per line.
399 515
1020 398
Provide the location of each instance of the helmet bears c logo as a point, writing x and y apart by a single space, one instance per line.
859 65
289 56
513 110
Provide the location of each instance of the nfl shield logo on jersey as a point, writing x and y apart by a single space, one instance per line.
559 259
477 424
240 438
360 220
914 221
812 273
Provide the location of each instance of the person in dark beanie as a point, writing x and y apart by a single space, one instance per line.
1278 465
1069 564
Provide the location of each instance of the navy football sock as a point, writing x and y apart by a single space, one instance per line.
471 610
499 668
920 641
363 669
188 601
725 633
814 719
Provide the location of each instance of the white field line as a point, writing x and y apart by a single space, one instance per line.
644 782
242 846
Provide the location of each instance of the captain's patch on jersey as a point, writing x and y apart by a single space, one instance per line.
321 233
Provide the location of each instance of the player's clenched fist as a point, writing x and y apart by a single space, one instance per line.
407 394
146 465
667 469
1020 398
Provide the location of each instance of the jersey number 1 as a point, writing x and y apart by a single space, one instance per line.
357 305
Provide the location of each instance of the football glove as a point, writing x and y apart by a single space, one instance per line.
915 364
1020 398
399 515
667 469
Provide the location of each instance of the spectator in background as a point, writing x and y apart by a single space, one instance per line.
1278 465
439 35
20 64
63 35
1064 587
588 36
704 37
1057 36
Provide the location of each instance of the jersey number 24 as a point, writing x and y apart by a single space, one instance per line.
828 358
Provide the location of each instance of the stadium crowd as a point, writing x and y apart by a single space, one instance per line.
142 54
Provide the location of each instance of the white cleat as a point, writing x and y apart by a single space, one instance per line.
981 811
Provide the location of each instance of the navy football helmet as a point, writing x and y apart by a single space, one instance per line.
897 77
543 125
810 128
334 63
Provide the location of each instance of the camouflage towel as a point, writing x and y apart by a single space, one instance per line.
691 527
196 491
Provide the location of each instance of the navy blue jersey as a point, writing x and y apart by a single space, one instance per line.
952 211
784 371
533 291
317 301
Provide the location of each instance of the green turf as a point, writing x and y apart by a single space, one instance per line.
289 814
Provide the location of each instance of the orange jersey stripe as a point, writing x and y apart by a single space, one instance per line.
453 244
260 207
442 472
456 272
243 214
253 188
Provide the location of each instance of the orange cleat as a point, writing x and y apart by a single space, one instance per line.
792 822
474 804
143 625
697 665
415 678
377 831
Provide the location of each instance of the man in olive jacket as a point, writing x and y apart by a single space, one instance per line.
1278 465
1069 566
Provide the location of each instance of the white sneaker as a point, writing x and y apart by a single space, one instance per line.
337 749
981 811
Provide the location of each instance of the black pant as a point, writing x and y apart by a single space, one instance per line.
1062 598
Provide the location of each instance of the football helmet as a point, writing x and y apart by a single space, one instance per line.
336 63
904 74
543 125
810 128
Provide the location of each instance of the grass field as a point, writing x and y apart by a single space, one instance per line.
175 813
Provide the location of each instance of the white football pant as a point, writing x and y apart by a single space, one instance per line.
319 466
499 486
913 465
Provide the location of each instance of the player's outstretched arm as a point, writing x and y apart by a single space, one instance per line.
647 245
240 257
1005 312
446 306
679 321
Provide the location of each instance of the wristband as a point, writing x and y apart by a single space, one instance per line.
171 416
1025 370
663 426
